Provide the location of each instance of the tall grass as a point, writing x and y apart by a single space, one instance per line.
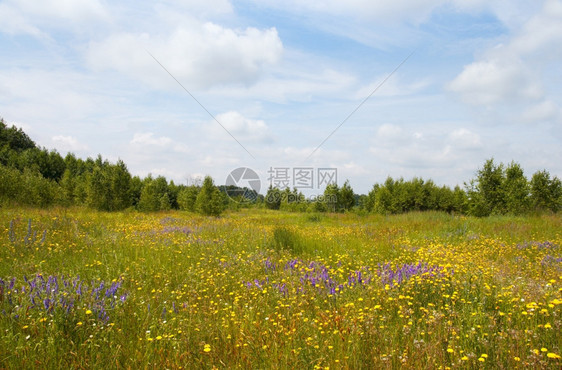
266 289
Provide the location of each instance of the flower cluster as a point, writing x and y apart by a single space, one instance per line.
60 294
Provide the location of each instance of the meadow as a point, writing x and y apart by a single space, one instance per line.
269 289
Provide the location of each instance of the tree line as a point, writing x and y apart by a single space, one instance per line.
34 176
497 189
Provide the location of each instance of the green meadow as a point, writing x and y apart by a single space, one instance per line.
271 289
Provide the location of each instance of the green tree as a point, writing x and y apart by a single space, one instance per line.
210 200
149 198
99 190
15 138
136 190
371 197
546 193
331 196
486 192
187 197
68 188
120 186
346 197
383 201
516 189
273 198
173 192
460 200
165 204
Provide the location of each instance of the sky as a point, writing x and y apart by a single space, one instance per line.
186 88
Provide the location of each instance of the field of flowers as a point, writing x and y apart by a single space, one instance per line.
266 289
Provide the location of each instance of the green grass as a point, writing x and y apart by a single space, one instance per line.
253 289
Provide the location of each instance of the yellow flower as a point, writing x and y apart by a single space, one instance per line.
552 355
481 359
79 323
207 348
544 349
450 350
88 312
517 359
159 337
484 355
464 358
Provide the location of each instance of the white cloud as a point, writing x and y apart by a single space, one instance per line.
14 22
201 8
433 148
147 142
391 87
390 132
542 112
296 83
148 138
543 32
351 169
68 144
32 17
217 161
465 139
516 72
75 10
198 54
240 127
496 81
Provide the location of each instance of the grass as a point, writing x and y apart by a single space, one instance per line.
267 289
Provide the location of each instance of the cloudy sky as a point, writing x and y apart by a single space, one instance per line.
484 79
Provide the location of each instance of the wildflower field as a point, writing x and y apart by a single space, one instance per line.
266 289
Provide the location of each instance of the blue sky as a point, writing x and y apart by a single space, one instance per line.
484 80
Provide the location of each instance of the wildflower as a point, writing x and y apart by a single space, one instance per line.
88 312
552 355
207 348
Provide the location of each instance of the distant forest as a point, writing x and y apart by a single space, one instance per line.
34 176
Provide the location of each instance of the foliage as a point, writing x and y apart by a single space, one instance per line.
39 177
546 193
14 138
273 198
187 197
399 196
210 201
